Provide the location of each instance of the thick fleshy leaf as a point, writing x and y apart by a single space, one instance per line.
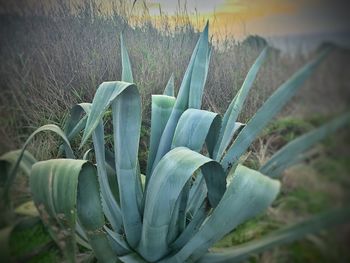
81 236
193 128
212 137
110 206
181 103
293 151
197 195
167 182
162 106
75 122
9 159
22 154
229 124
192 228
248 194
183 97
119 245
126 112
178 218
126 65
65 190
170 87
199 72
192 131
90 214
280 237
132 258
269 109
105 94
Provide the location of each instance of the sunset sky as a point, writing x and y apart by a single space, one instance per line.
238 18
265 17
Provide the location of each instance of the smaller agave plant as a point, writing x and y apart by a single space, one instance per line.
194 192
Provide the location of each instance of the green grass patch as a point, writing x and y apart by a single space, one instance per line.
289 128
304 201
24 241
250 230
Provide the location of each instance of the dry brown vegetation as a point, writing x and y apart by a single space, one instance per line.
50 62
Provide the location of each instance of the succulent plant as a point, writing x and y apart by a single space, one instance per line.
194 192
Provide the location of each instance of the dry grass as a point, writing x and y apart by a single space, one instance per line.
51 62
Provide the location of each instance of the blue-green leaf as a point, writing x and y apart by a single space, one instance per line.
269 109
229 124
248 194
13 171
181 103
293 151
161 109
170 87
126 111
199 72
193 128
167 182
126 65
110 206
60 208
280 237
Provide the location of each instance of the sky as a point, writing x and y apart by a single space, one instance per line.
264 17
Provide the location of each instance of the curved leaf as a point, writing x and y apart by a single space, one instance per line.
248 194
65 190
193 128
192 228
74 125
76 122
9 159
197 194
86 155
106 93
119 245
167 182
126 112
13 171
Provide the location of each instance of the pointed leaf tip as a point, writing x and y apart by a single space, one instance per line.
206 29
206 25
126 65
169 89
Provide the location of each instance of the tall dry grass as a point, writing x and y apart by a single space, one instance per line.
53 59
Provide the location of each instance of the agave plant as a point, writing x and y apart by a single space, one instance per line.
194 192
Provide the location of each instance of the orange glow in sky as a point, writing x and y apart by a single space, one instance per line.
264 17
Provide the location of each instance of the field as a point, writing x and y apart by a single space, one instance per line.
50 63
